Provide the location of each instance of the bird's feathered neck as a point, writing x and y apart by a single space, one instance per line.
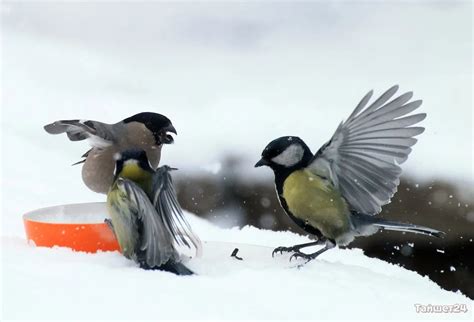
281 172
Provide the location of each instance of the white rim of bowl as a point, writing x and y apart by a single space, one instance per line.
80 208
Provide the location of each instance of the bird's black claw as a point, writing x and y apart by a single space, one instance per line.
281 250
301 255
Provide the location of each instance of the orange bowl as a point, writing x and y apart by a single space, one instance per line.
77 226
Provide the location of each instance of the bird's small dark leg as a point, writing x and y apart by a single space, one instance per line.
296 248
110 225
329 244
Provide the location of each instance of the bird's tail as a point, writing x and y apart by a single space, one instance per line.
177 268
97 133
398 226
171 266
366 220
76 130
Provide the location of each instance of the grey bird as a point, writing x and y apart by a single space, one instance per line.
146 217
147 131
335 194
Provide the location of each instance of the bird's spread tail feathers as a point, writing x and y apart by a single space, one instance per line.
76 130
98 134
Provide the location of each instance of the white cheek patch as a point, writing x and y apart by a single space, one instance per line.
291 156
131 161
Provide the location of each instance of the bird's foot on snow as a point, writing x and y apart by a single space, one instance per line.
283 249
296 248
329 244
307 257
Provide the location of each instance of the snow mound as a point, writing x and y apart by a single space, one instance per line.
43 283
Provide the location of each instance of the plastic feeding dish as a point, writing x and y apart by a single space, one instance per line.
77 226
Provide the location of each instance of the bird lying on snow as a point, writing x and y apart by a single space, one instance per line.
334 194
147 131
146 217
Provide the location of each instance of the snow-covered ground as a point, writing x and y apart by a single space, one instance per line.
223 96
43 283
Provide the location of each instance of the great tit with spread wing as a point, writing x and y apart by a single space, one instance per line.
335 193
146 217
147 131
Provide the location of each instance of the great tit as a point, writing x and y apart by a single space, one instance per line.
147 131
146 217
334 194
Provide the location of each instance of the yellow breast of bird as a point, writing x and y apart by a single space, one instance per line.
316 202
132 171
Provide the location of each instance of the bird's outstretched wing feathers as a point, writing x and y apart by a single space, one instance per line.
97 133
167 206
156 244
363 156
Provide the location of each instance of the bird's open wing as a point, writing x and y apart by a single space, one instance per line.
156 244
167 206
362 158
98 134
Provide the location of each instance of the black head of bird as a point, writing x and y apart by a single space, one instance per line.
132 161
158 124
133 164
287 153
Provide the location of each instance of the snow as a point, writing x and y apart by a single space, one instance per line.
43 283
235 100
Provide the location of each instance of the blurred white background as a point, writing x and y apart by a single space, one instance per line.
230 75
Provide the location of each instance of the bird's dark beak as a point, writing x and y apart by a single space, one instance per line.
166 138
261 162
170 128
